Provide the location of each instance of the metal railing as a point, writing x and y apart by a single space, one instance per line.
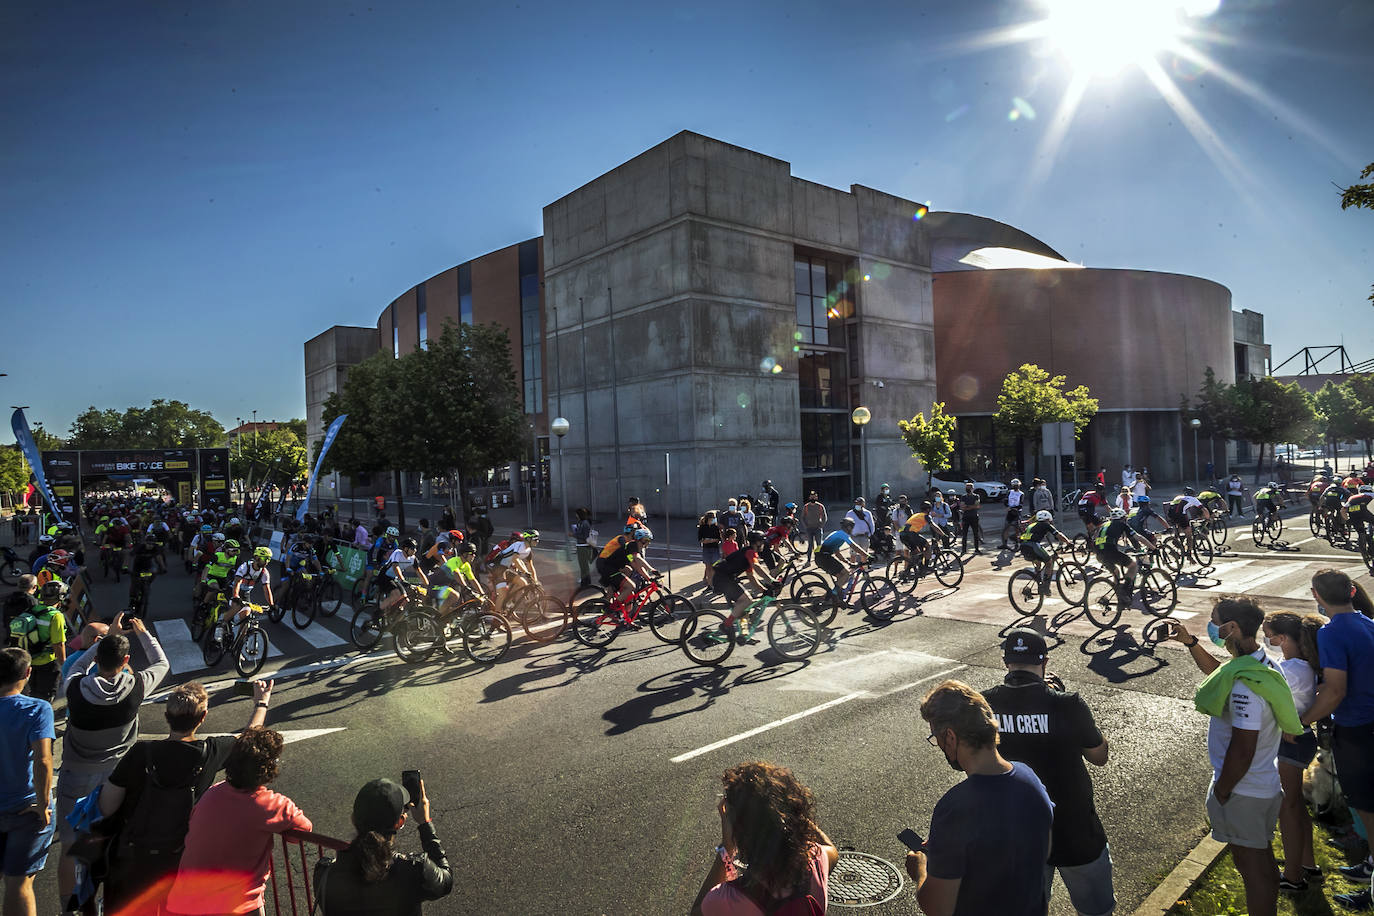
291 879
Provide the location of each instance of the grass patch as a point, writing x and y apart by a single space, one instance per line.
1221 892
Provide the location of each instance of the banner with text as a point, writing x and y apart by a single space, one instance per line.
214 477
20 424
329 437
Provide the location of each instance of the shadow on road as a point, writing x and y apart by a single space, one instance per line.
678 687
1115 655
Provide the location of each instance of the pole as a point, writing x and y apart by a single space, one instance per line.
615 400
668 513
1197 475
586 413
534 465
563 488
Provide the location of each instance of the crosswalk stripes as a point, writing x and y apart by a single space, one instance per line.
185 655
175 638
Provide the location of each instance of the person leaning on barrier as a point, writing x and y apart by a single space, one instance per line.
370 878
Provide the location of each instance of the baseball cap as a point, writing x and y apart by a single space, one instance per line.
378 806
1024 646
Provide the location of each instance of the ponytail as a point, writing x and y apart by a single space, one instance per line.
376 850
1360 600
1302 629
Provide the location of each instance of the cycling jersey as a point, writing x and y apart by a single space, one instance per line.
1037 531
737 564
1333 496
459 569
618 552
248 573
833 542
398 562
776 535
1138 516
1109 534
219 565
1264 494
1352 483
1359 507
1184 503
917 523
1091 502
1207 496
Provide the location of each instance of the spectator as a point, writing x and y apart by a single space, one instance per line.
635 514
582 537
746 519
446 520
990 834
1013 518
362 538
1235 495
813 519
1296 637
1042 500
102 724
152 790
969 504
43 634
1053 732
1102 477
1123 499
773 500
1140 488
708 536
425 537
1250 707
883 503
480 528
26 813
228 852
768 822
728 545
370 878
1345 648
863 522
16 527
941 512
90 634
1127 476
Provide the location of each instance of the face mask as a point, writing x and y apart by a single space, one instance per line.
1214 634
1276 643
953 762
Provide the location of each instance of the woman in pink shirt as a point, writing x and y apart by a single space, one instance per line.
229 844
767 822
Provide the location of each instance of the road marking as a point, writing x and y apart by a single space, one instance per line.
183 653
777 723
1303 541
320 636
288 735
284 673
1184 615
1255 581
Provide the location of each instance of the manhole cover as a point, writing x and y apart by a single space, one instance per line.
859 879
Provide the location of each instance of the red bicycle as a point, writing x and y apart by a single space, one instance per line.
599 621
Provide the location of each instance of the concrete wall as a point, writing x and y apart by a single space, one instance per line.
327 358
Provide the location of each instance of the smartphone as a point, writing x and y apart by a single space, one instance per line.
243 687
911 839
410 781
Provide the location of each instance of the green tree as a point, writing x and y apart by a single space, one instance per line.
1338 414
1214 406
1360 195
1362 392
14 470
1030 396
1268 411
277 451
931 441
162 424
297 426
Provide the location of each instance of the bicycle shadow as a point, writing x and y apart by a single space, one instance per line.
1037 622
1112 652
682 685
543 668
771 670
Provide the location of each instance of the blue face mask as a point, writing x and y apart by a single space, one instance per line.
1214 634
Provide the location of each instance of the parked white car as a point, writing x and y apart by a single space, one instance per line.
990 490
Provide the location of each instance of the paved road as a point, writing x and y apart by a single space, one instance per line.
569 781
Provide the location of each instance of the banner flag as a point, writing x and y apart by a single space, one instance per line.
329 436
20 424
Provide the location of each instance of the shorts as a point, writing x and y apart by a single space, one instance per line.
1243 820
1113 556
912 540
727 585
610 578
831 564
1036 553
1301 752
43 681
1089 885
23 843
73 786
1352 746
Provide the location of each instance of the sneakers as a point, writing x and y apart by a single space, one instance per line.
1359 901
1292 887
1360 871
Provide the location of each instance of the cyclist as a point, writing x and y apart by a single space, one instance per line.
253 572
1032 548
1088 506
456 568
1332 504
1107 546
161 532
300 557
1360 513
778 533
729 570
401 561
516 561
1185 507
377 554
217 569
1314 490
117 537
1139 516
916 536
143 560
1268 498
827 554
621 551
1213 500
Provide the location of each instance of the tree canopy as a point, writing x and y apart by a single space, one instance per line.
278 450
162 424
1260 410
1360 195
931 441
1030 396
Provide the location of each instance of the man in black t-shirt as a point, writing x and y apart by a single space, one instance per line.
1053 732
969 503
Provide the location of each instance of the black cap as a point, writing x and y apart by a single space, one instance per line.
379 806
1024 646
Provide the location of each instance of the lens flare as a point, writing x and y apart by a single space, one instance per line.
768 364
1023 107
956 114
920 213
776 369
742 401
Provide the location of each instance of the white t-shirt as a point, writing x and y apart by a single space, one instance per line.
863 522
1128 478
517 551
399 562
252 576
1247 710
1014 499
1302 680
1138 488
1235 486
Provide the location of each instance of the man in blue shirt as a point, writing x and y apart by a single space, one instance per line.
990 834
1345 646
826 554
26 814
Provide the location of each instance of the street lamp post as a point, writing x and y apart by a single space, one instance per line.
1195 423
861 416
559 427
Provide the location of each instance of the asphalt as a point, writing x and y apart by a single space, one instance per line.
570 781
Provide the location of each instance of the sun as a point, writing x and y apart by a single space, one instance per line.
1098 38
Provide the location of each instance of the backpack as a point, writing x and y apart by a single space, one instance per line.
24 634
158 823
799 904
501 546
16 604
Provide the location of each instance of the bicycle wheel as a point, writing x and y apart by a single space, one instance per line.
1275 526
949 569
667 614
252 650
329 598
303 611
1317 523
416 637
594 625
1023 589
804 582
366 628
1082 550
1171 556
10 571
704 641
816 598
1071 581
276 612
878 596
1259 530
216 643
904 577
197 621
1158 593
486 637
793 632
1202 552
1102 603
545 619
1218 532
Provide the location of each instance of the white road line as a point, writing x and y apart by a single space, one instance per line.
181 650
320 636
1303 541
1183 615
1255 581
733 739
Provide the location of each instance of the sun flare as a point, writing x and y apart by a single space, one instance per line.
1098 38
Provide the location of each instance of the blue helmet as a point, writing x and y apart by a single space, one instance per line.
206 529
643 534
1143 498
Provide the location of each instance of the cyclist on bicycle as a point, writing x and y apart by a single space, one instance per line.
1089 504
827 554
1107 546
300 558
1268 498
1332 504
1360 513
1314 491
401 561
1138 518
515 562
1212 500
217 570
778 533
160 533
254 572
460 580
377 554
621 551
728 571
916 536
1032 549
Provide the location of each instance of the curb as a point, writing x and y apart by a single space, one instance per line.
1181 881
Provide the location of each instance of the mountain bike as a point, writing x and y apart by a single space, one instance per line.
316 592
1027 590
598 621
793 631
247 641
475 629
11 567
1106 598
542 616
1266 528
370 622
1183 548
1216 529
947 566
140 584
1070 499
878 595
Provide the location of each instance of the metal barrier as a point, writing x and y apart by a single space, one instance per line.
291 884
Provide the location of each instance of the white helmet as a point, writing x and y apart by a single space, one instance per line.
1118 513
1015 482
1044 516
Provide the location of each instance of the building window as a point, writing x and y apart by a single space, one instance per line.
395 335
825 339
531 332
465 293
422 323
823 379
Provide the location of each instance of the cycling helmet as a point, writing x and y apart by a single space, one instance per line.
1117 513
467 547
533 534
119 522
409 544
53 591
790 507
393 532
1144 498
235 521
1273 484
1015 482
218 538
262 553
643 534
45 540
951 492
231 545
300 547
847 524
455 535
1366 488
104 519
768 483
1188 491
755 537
1043 516
206 529
58 558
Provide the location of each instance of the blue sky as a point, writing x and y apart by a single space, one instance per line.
191 190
